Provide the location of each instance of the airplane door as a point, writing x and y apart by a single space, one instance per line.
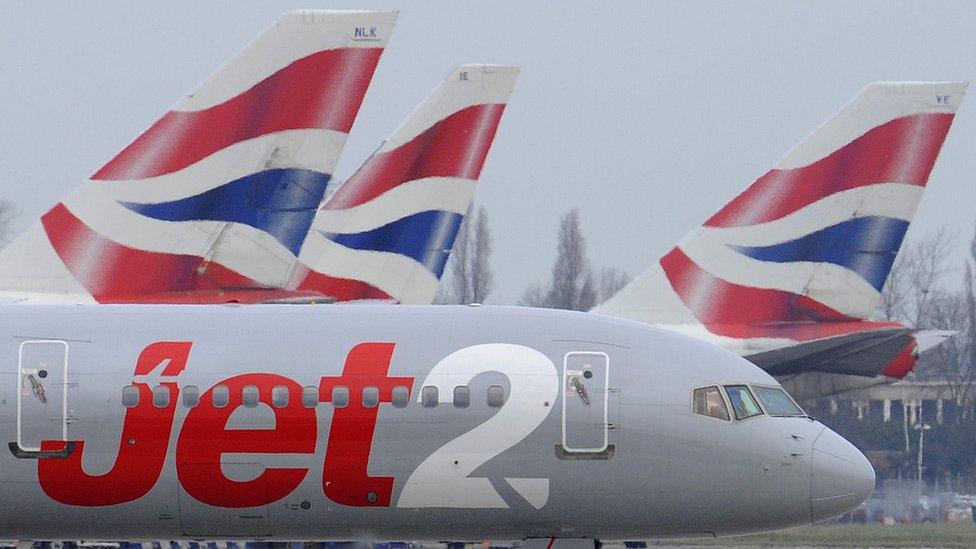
42 398
203 520
586 383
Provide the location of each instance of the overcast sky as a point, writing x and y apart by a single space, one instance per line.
647 116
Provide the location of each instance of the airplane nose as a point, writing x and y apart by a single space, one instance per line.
842 478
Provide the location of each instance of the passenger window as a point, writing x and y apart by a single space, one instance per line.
130 396
401 396
340 396
777 402
709 402
221 396
743 403
496 396
462 396
279 396
191 396
160 396
371 397
310 397
250 396
428 396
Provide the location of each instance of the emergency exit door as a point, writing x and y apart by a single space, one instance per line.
42 398
586 384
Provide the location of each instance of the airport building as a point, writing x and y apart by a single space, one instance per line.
919 401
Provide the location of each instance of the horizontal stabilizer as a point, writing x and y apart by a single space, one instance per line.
865 353
930 339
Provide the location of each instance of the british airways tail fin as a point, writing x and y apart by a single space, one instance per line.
387 232
220 192
814 238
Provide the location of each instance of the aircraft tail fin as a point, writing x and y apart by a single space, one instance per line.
388 231
220 192
814 238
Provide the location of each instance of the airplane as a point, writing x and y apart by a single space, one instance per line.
213 201
789 272
385 234
341 422
388 231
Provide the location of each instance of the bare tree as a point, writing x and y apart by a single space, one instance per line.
917 299
470 279
482 280
951 360
572 279
572 285
612 280
8 213
459 264
914 279
962 375
534 296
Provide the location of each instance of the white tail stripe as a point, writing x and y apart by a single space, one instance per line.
45 298
29 264
648 298
893 200
877 104
448 194
399 276
250 252
836 287
315 150
466 86
254 254
293 36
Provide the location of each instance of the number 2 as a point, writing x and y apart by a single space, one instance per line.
534 381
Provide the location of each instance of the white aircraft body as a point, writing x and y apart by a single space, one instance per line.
346 422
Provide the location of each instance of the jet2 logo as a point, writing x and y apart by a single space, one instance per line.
204 437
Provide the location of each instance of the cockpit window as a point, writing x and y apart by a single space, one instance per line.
709 402
743 403
777 402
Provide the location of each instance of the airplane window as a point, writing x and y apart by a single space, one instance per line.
371 397
191 396
310 397
428 396
777 402
462 396
401 396
279 396
340 396
250 396
743 403
160 396
221 396
130 396
496 396
709 402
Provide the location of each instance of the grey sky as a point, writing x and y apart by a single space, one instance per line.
648 116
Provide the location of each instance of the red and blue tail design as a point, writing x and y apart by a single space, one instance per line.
220 192
388 231
804 252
